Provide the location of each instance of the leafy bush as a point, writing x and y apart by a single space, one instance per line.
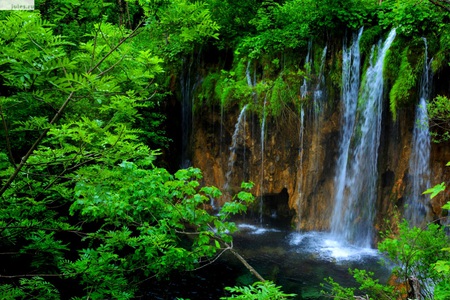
266 290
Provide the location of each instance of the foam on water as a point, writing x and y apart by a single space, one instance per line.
252 229
328 248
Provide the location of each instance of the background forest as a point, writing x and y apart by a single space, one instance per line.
92 205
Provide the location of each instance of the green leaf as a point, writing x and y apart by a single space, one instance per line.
434 191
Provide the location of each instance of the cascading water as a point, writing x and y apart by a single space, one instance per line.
318 92
317 116
248 76
308 63
416 209
238 128
263 128
354 217
187 92
300 162
351 62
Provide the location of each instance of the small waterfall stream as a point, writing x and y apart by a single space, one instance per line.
318 91
188 87
300 163
307 66
238 128
248 75
355 222
263 129
416 209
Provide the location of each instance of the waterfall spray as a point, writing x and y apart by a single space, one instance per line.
318 92
351 62
239 127
263 126
300 162
187 91
354 222
308 63
416 208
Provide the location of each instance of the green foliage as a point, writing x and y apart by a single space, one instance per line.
282 95
418 253
434 191
266 290
177 27
441 58
35 288
82 200
367 286
411 18
414 251
439 114
406 80
233 17
336 290
441 266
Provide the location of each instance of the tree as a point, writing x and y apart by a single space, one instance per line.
82 201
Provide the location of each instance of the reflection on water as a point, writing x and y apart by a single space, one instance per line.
298 262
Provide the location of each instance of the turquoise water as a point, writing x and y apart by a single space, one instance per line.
298 262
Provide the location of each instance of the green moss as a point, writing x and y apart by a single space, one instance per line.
206 91
369 38
401 90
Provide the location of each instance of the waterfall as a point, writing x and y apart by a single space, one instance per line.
232 159
317 117
318 92
354 215
318 103
248 76
416 208
263 128
186 111
300 162
351 62
308 63
187 92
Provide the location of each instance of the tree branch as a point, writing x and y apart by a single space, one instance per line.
58 114
8 143
245 263
442 4
34 146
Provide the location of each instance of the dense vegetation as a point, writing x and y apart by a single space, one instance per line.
85 202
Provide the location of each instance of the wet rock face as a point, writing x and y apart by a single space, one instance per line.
301 165
302 170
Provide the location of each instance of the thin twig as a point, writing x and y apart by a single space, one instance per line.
8 143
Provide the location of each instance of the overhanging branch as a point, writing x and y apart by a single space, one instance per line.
444 4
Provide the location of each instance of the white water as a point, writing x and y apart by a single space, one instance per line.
317 116
253 229
307 66
300 163
351 63
238 128
353 220
318 92
326 247
248 76
416 208
263 128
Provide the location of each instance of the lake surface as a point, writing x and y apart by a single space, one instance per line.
298 262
